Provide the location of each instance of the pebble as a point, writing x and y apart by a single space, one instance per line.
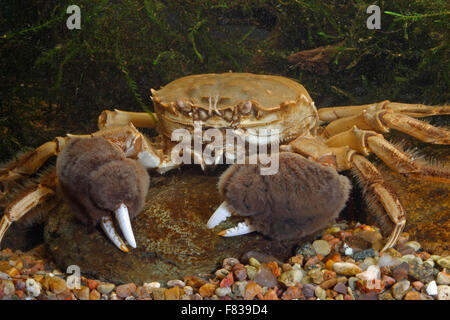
410 258
361 255
57 285
400 289
207 290
252 289
8 288
188 290
443 292
177 283
291 278
227 281
432 288
251 272
386 260
238 288
270 295
266 277
346 268
328 283
125 290
308 290
385 296
228 263
321 247
82 293
401 271
414 244
320 293
33 288
173 293
94 295
292 293
443 278
306 250
158 293
422 272
418 285
340 288
222 292
253 262
222 273
105 288
414 295
352 282
316 275
444 262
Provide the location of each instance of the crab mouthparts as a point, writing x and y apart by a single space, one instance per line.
221 214
123 218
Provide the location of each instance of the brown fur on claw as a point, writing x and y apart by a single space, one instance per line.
298 200
95 177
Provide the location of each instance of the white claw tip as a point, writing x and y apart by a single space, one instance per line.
241 229
123 218
221 214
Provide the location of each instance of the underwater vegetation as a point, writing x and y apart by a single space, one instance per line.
54 80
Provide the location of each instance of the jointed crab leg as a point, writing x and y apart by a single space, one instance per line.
375 187
382 121
18 209
123 118
412 110
365 141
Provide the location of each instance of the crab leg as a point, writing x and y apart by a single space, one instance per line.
382 121
376 188
412 110
365 141
29 163
221 214
19 208
122 118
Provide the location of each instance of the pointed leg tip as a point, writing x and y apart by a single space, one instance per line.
222 233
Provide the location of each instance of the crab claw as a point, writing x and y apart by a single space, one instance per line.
123 218
221 214
107 225
241 229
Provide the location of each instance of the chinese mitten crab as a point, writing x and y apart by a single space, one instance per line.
302 196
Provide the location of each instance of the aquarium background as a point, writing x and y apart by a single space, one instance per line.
54 80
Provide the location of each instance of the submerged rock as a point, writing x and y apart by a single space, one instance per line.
171 235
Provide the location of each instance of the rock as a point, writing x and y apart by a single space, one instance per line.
221 273
252 289
8 288
352 282
240 272
33 288
270 295
193 281
414 244
306 250
207 290
443 278
292 293
414 295
171 234
422 272
328 283
444 262
105 288
411 259
361 255
321 247
320 293
401 271
94 295
265 277
82 293
125 290
158 293
227 281
316 275
418 285
222 292
400 288
253 262
188 290
368 296
346 268
432 289
238 288
291 278
229 263
57 285
385 296
443 292
173 293
386 260
175 283
308 290
92 284
340 288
